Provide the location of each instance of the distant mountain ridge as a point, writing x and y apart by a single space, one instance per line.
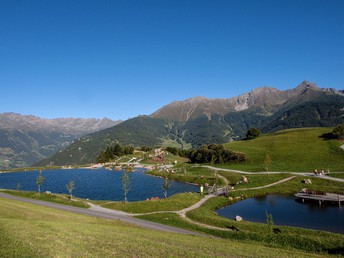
200 120
26 139
267 99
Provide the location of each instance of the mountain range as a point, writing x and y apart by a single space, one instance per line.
200 120
24 140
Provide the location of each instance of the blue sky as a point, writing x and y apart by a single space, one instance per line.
120 59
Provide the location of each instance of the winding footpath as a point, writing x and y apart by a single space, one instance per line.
273 172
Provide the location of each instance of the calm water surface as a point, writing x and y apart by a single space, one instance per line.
98 184
288 211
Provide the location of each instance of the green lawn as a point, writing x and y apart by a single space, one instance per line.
173 203
190 174
32 231
298 150
337 175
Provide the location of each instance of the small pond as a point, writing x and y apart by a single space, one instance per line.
288 211
95 184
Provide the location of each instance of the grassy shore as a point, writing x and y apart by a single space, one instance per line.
56 198
32 231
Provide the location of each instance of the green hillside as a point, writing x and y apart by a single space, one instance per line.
29 230
299 150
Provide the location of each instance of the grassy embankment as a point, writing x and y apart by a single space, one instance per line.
56 198
296 150
32 231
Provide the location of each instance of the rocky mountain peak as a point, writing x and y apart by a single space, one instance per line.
305 85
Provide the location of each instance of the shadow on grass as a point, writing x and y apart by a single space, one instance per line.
339 250
327 136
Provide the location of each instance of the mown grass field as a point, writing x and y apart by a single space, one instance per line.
32 231
173 203
296 150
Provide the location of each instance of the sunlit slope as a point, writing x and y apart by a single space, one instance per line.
32 231
299 150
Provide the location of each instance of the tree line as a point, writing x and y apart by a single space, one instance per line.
209 153
113 152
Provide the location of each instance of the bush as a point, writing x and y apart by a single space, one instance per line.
338 132
252 133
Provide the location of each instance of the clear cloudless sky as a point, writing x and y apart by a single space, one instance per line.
123 58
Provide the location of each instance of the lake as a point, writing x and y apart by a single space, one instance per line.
288 211
95 184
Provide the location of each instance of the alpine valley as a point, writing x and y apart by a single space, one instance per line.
200 120
24 140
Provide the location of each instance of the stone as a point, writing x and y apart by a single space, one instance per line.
307 181
238 218
244 179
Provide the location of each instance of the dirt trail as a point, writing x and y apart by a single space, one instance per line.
309 174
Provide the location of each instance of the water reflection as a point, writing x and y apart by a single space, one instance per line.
289 211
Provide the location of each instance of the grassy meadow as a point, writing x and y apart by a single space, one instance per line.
173 203
295 150
32 231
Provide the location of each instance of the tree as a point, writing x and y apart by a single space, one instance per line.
172 150
70 187
338 132
125 184
166 185
269 221
252 133
267 162
39 181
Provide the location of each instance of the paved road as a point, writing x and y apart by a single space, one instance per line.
104 214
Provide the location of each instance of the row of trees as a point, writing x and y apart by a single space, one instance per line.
214 154
211 153
114 151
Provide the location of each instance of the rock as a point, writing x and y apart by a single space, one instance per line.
244 179
47 192
230 198
238 218
307 181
